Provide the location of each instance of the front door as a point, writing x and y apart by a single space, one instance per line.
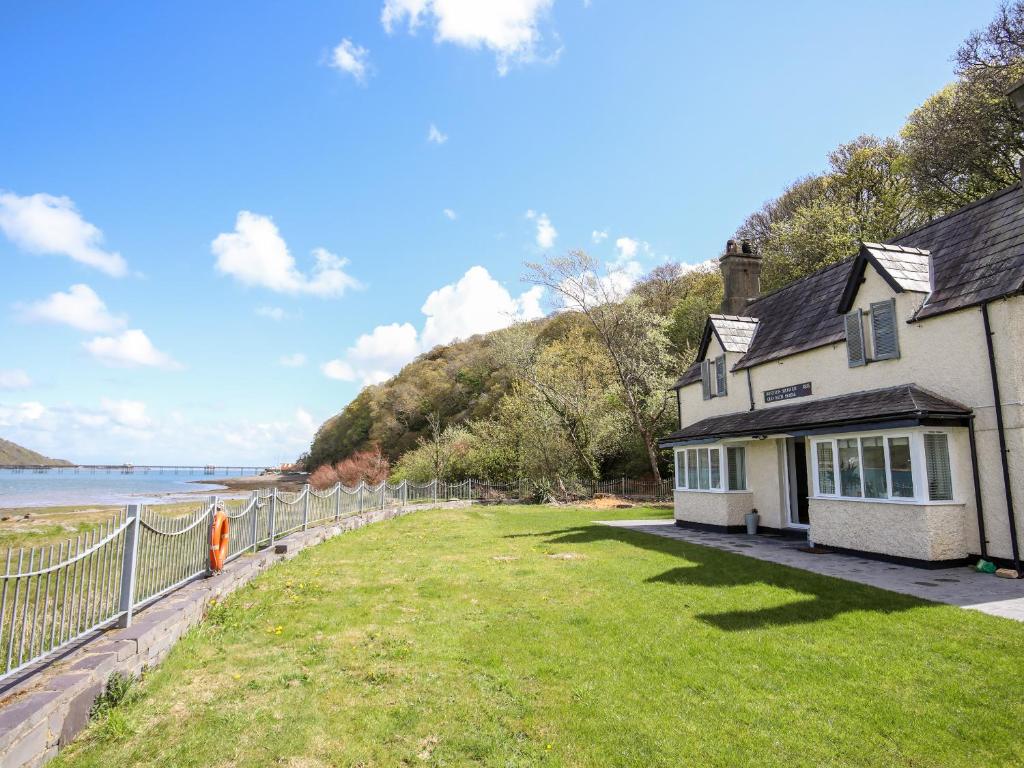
796 461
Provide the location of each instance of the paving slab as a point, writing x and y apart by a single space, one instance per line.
961 586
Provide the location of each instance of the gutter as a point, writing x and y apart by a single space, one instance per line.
1001 429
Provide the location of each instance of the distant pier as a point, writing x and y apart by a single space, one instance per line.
131 469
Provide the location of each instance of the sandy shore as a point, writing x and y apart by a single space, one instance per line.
285 481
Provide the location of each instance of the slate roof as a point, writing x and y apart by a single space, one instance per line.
906 402
907 267
977 252
801 316
734 332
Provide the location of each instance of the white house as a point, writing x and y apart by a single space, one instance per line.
874 406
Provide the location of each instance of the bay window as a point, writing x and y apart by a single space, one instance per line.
714 468
912 467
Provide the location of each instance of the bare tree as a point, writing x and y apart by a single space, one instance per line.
631 334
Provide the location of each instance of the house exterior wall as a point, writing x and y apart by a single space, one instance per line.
946 354
918 531
721 508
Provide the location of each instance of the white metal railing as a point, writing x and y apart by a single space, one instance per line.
52 596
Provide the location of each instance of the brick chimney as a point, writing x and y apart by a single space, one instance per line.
741 273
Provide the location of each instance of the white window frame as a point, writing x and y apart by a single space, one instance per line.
918 466
681 466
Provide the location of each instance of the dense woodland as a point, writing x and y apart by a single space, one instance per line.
583 393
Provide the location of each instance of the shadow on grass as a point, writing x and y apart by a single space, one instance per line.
825 597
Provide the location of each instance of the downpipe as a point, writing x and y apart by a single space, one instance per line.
1003 453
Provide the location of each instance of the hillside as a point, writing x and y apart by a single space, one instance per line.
14 454
460 382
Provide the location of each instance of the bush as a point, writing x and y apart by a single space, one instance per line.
371 467
323 477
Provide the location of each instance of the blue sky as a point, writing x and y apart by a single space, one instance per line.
219 220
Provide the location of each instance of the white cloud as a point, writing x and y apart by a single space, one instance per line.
450 214
627 248
546 232
508 28
14 378
273 313
127 413
599 235
376 356
129 350
296 360
256 254
80 308
434 135
476 303
44 223
125 430
352 59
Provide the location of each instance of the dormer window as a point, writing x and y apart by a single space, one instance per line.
713 377
884 336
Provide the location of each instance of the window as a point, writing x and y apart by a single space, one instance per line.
711 469
936 458
691 468
826 469
882 467
849 468
876 485
716 468
737 471
703 470
900 468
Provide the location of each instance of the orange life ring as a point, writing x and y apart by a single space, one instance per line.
218 540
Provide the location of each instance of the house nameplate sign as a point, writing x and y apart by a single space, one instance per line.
787 393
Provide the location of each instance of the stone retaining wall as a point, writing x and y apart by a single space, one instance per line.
49 706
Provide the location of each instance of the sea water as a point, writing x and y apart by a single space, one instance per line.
69 488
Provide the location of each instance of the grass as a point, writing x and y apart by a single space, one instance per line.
36 526
528 636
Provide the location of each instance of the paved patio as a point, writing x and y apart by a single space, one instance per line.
956 586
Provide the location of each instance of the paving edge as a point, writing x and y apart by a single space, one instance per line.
47 709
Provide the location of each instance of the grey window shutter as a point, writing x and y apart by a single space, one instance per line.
883 330
720 381
855 339
705 378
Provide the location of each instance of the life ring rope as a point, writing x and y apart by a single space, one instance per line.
219 540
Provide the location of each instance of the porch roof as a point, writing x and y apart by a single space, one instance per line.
903 405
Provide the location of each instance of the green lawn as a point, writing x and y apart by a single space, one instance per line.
515 636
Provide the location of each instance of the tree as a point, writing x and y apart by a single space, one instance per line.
965 141
631 334
570 375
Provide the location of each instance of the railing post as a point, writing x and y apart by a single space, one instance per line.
435 490
362 484
623 486
273 515
209 533
405 493
337 502
305 507
470 489
255 518
129 567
